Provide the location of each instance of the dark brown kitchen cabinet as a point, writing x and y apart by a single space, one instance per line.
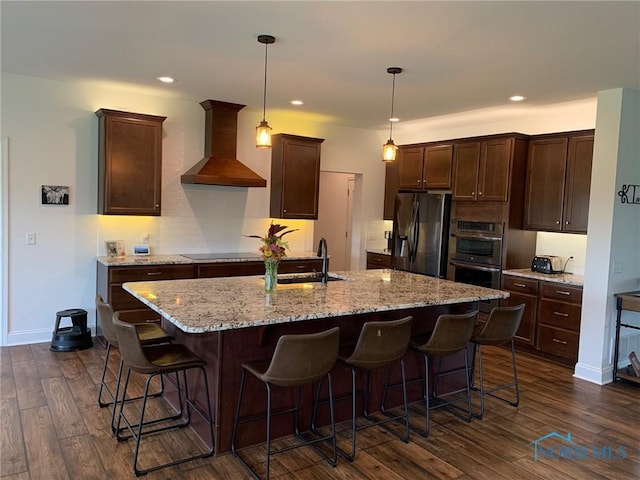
425 167
129 163
522 290
482 169
109 286
550 325
559 182
295 176
378 260
239 269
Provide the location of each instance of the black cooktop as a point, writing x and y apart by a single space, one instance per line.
217 256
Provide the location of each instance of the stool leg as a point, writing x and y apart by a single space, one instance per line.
268 430
235 423
102 383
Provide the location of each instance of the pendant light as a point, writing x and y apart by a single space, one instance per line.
389 148
263 131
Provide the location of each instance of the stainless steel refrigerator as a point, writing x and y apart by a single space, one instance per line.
421 232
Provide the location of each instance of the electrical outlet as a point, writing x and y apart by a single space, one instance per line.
145 238
617 266
31 238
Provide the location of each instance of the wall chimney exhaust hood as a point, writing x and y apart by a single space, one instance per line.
220 165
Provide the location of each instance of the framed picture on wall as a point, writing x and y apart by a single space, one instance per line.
55 195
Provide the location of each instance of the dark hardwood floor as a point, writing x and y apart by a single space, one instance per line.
52 428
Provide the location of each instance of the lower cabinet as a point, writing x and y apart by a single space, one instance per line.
551 323
239 269
378 260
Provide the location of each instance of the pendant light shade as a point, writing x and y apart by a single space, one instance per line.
263 130
389 149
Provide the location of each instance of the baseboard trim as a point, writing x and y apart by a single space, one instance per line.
594 375
26 337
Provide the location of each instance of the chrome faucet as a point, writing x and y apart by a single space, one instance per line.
323 252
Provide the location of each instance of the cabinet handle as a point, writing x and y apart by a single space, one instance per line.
562 292
419 181
285 210
300 267
563 342
473 193
154 273
566 223
560 314
479 193
521 285
558 222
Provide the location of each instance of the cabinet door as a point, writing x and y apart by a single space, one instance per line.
390 189
546 170
526 332
578 184
410 167
130 163
495 170
437 167
295 177
465 170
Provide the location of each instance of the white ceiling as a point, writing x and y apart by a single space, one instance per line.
457 56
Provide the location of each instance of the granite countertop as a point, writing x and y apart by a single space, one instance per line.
214 304
202 258
564 278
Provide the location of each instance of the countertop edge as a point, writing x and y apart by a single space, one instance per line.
562 278
176 259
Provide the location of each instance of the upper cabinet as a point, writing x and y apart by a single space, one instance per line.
482 169
295 176
425 167
559 182
129 163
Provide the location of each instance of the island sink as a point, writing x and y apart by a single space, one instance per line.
307 278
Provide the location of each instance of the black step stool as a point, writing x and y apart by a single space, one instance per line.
71 339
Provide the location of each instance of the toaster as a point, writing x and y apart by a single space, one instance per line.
546 264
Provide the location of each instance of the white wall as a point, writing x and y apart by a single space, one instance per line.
614 231
52 134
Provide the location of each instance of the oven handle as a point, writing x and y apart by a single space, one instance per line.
474 266
478 236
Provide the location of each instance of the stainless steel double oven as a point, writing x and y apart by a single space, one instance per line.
475 255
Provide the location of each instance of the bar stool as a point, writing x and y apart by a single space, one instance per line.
501 326
380 344
450 336
151 361
298 360
148 333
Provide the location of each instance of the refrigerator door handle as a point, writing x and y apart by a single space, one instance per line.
413 231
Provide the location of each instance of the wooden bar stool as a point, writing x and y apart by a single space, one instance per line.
381 344
501 326
148 333
298 360
450 336
153 360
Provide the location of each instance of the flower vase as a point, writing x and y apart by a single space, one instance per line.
270 276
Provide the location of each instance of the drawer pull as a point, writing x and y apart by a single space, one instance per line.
561 292
154 273
521 285
300 267
563 342
560 314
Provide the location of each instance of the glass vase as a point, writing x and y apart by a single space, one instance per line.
270 276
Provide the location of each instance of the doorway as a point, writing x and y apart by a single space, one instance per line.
335 217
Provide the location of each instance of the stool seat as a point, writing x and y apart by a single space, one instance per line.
74 338
171 357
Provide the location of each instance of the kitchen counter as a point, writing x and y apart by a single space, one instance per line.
379 251
229 321
129 260
563 278
215 304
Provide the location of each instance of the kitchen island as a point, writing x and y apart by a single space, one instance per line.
232 320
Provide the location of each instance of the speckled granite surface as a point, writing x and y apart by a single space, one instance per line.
179 259
211 304
565 278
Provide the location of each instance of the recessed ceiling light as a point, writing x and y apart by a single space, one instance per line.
394 119
297 102
166 79
517 98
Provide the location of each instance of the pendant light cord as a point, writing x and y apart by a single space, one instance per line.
393 96
264 96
